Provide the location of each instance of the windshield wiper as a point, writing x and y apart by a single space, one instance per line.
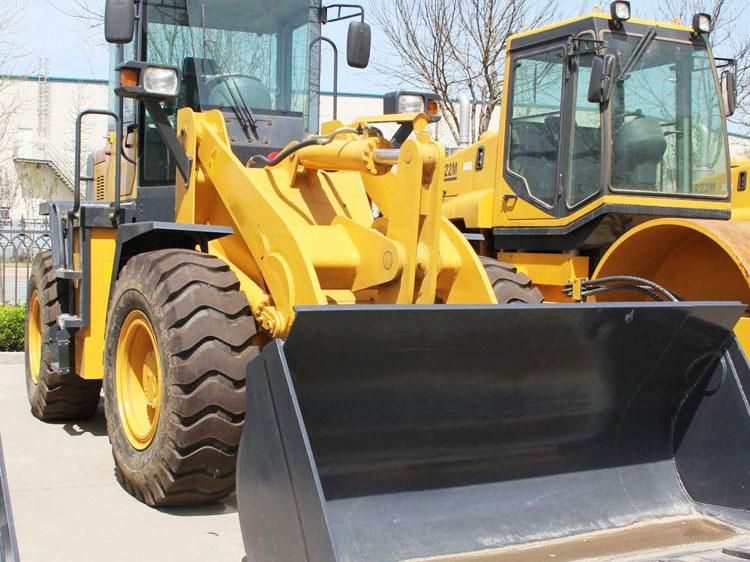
241 109
637 54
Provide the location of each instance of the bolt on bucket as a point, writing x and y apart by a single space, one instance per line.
398 433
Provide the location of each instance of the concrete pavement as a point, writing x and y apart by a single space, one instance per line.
68 506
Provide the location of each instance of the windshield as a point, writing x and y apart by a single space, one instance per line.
235 53
668 133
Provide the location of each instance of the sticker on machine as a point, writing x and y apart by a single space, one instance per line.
451 171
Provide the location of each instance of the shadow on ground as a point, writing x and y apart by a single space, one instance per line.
95 425
228 505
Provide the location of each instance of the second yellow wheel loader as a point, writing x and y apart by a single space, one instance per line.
611 160
293 308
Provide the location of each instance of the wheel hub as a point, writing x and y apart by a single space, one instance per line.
138 380
34 336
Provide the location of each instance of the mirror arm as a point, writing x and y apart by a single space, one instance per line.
596 48
359 13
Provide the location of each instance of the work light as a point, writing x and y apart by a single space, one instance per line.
701 24
143 80
160 81
620 11
412 102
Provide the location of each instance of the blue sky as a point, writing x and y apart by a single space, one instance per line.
74 50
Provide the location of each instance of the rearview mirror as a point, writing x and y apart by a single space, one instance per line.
602 75
358 44
729 91
119 21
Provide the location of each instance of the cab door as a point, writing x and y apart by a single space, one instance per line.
536 122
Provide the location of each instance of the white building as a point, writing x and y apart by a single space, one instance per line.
37 138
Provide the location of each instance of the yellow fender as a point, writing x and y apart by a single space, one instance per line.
697 259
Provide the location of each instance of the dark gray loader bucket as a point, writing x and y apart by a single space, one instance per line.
527 432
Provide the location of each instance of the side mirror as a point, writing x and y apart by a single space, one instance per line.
119 21
729 91
358 42
602 76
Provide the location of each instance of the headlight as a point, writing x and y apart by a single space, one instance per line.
160 81
143 80
620 10
702 23
412 102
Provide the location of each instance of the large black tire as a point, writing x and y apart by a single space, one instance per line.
52 397
204 332
510 285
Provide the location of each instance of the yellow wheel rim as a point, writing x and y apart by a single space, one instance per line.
138 380
35 337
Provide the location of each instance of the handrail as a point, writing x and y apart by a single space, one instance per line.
77 163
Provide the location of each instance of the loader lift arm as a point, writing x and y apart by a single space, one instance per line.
332 250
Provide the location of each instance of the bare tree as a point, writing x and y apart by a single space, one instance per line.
9 189
10 53
452 45
91 12
728 38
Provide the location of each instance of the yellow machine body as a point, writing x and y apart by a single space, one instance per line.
305 234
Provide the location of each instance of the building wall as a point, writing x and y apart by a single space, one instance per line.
40 120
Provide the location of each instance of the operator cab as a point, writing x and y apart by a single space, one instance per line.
604 119
250 59
659 132
257 62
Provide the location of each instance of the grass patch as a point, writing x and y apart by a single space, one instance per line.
12 325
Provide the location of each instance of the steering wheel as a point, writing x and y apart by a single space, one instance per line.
220 86
552 127
638 113
703 138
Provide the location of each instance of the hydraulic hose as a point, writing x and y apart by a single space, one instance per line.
317 140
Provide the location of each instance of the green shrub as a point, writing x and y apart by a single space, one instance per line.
12 321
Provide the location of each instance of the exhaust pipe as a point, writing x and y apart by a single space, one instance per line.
464 125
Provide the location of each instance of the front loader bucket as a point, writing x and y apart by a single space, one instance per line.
397 433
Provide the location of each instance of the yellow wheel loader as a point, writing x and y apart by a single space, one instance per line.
611 160
294 309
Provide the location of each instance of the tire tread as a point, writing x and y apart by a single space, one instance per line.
55 397
208 340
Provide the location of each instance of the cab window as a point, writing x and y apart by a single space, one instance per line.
584 176
536 103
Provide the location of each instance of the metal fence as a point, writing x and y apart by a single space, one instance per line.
20 241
